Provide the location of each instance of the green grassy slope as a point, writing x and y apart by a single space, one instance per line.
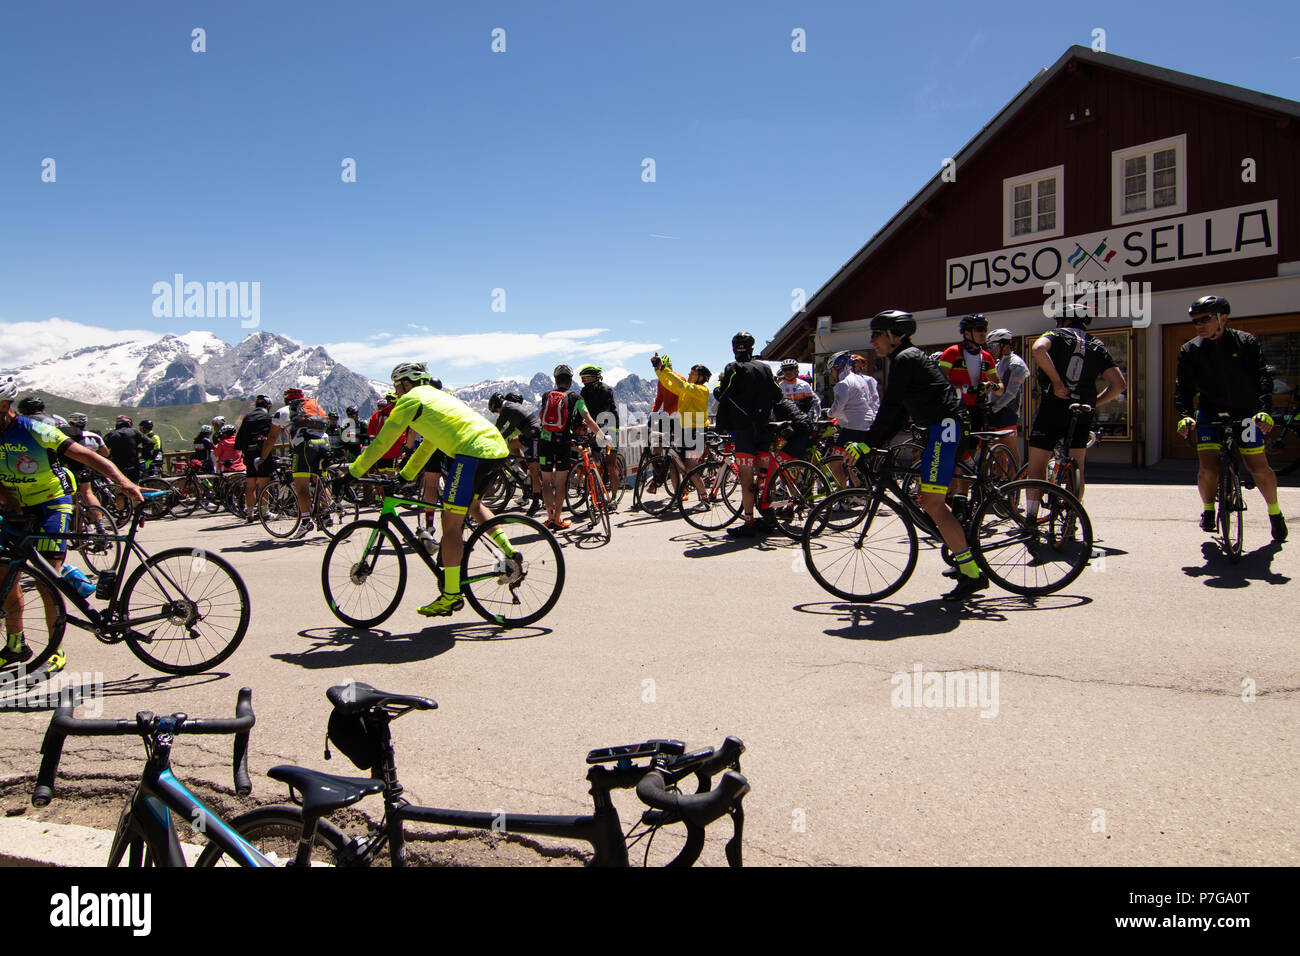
176 425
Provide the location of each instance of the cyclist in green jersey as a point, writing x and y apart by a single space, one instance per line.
476 448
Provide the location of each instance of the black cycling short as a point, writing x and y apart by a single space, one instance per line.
266 470
1008 417
308 457
1050 423
556 453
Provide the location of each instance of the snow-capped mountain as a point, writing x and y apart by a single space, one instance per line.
197 367
634 394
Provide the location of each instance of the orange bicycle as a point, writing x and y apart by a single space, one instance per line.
586 494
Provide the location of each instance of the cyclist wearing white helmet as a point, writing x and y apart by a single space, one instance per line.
856 404
476 448
1013 373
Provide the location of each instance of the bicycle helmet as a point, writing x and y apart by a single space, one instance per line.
742 343
413 372
495 401
350 411
562 371
31 405
390 397
293 395
218 421
1210 305
78 420
333 415
838 360
972 322
262 401
123 421
203 430
145 424
590 371
790 364
227 431
514 397
1075 313
436 383
998 335
892 320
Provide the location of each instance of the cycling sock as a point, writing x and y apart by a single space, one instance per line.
451 581
15 642
502 542
1275 509
1209 506
966 564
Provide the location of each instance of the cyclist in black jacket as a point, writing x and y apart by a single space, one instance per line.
1224 368
249 440
745 400
916 386
521 430
604 409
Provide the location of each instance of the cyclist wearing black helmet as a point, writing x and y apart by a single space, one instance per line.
350 433
151 458
1223 370
917 387
603 407
746 398
249 438
522 431
561 414
1069 363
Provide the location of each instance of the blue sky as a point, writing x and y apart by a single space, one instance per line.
519 171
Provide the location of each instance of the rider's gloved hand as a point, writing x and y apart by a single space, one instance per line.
1185 424
855 450
1265 419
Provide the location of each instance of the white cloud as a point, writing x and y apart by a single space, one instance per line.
636 321
22 343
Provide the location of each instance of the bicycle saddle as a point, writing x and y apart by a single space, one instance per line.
323 791
357 698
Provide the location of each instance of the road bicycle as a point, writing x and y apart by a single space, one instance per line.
196 489
181 610
363 573
359 728
277 505
587 495
787 490
510 481
146 831
660 470
861 544
97 544
1230 503
594 462
1284 440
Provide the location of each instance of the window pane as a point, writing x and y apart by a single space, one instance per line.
1135 166
1165 159
1164 197
1021 227
1022 193
1047 187
1165 178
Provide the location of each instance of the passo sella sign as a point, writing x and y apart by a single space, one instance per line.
1224 235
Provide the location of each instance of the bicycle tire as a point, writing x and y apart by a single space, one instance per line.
275 832
188 492
866 556
199 589
1231 516
656 487
1021 556
500 491
721 485
277 508
598 510
331 518
353 593
501 602
233 497
575 491
797 487
42 633
1002 464
212 494
161 507
615 489
102 552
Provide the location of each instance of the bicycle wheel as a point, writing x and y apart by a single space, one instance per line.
186 610
212 494
1002 464
859 547
102 551
274 832
797 487
512 597
598 509
188 493
44 619
1230 511
333 517
655 491
161 506
715 498
277 507
905 461
615 484
363 574
233 500
575 492
1027 556
500 491
1060 522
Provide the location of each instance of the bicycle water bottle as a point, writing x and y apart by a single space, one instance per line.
72 574
1051 470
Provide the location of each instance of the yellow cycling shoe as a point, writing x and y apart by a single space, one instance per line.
446 605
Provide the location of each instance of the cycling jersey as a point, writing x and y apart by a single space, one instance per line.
253 431
599 399
227 457
957 364
915 387
515 421
304 420
1226 374
29 462
125 446
857 401
692 400
1014 372
1079 359
445 422
746 395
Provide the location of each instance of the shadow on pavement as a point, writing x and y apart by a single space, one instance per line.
269 543
889 622
41 694
1255 565
351 647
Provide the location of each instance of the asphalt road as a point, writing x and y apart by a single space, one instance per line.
1147 714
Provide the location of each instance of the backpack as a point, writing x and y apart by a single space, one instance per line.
308 416
555 411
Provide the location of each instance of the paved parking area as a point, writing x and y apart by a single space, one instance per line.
1147 714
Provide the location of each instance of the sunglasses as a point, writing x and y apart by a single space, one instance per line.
1203 319
978 328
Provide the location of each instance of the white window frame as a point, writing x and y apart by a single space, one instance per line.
1008 205
1117 214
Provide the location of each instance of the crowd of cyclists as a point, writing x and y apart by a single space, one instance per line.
420 433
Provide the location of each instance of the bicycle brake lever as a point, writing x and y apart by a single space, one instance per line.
737 830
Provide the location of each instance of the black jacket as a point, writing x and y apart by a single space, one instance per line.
747 395
1228 374
916 387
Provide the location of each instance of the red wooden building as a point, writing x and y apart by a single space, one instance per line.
1165 185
